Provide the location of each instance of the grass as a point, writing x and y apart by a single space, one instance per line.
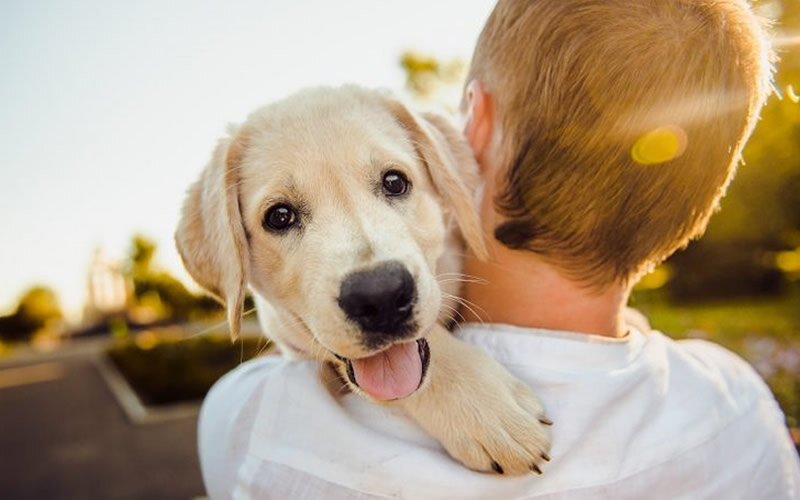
730 321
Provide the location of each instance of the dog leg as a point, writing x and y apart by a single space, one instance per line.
483 416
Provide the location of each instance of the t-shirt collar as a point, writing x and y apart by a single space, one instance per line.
553 349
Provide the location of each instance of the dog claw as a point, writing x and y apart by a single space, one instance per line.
535 468
545 457
545 421
496 467
500 416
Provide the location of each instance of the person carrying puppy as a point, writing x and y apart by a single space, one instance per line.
607 132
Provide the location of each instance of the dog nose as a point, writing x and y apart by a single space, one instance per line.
380 300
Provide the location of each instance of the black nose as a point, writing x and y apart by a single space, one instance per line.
380 300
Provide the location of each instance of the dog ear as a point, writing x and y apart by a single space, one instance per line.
210 236
452 167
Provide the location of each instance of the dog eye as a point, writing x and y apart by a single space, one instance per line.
279 218
395 183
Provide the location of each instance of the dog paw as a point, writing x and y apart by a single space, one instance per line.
505 432
482 416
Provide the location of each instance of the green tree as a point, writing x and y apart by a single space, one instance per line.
37 309
752 246
429 79
141 255
156 287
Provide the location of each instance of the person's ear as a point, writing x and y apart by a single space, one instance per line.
479 124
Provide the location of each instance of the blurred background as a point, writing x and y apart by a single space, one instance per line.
110 111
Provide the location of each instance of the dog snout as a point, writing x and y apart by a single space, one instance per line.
380 300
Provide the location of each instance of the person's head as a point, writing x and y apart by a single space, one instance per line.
611 128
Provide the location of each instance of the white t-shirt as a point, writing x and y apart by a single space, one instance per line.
642 417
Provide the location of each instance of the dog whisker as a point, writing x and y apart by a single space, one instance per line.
461 279
458 279
214 327
344 389
451 280
464 275
480 314
471 306
204 331
465 278
267 345
454 311
320 349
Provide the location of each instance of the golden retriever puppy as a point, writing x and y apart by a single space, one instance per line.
345 213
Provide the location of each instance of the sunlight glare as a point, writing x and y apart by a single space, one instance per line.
789 261
792 94
787 40
659 145
772 9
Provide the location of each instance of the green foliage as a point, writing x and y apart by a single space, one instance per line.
169 371
718 270
37 309
427 77
160 290
141 255
39 304
729 321
760 216
177 301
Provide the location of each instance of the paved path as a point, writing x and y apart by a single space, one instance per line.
63 436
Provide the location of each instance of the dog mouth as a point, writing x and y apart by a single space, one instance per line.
394 373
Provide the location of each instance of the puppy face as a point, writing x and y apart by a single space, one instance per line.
344 226
335 206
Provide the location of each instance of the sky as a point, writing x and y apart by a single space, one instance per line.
110 109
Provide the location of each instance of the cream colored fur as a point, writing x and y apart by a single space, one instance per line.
325 150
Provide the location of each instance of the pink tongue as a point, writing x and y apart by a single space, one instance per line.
391 374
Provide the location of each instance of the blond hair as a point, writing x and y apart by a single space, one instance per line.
621 122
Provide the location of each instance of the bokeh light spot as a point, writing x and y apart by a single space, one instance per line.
146 340
659 145
789 261
655 279
792 94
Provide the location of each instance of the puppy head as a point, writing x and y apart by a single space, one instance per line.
333 205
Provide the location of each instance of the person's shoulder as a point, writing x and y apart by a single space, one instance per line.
720 407
721 366
757 434
256 379
706 388
233 407
711 380
257 371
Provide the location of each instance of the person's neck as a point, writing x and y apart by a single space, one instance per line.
518 288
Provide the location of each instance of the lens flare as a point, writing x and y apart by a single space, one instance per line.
789 261
786 40
659 145
792 94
